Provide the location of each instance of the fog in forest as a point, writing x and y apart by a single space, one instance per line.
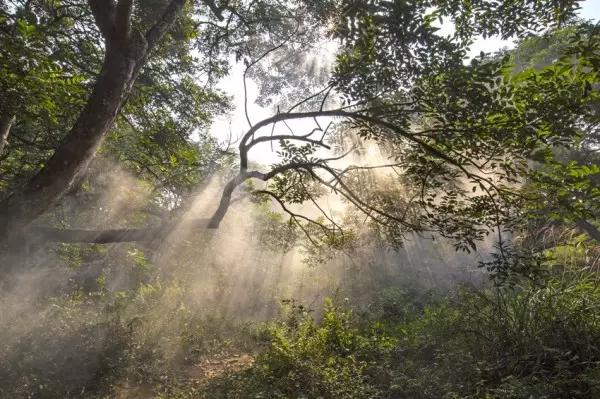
312 199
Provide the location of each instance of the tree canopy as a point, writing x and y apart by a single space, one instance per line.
137 82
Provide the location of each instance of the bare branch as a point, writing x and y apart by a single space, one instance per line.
241 177
327 216
366 167
249 65
296 216
325 98
341 156
327 88
352 197
278 118
217 11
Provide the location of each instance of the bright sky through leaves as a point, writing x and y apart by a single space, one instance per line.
235 125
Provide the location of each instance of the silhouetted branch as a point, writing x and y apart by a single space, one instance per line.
107 236
286 137
217 11
94 236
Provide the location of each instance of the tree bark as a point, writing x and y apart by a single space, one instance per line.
6 123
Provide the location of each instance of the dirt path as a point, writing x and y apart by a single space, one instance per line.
215 367
200 373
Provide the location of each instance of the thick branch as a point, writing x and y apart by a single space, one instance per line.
218 12
95 236
73 155
106 236
226 199
122 62
241 177
104 15
123 18
164 23
6 122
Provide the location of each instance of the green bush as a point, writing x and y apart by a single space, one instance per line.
530 342
306 359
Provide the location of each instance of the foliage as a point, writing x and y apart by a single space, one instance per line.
505 146
308 360
389 44
530 342
161 134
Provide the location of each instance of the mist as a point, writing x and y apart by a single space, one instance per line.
65 306
306 199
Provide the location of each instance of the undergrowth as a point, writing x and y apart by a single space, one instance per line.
529 341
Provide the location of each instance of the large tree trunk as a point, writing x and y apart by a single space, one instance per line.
74 154
126 53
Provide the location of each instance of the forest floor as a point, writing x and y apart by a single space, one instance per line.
198 374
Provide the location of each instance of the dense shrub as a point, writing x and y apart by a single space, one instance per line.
530 342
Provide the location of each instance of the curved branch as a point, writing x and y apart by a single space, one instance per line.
327 89
248 140
225 201
290 212
279 118
286 137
